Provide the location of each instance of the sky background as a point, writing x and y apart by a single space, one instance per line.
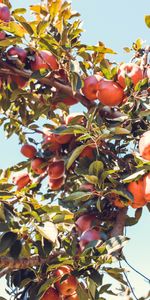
118 24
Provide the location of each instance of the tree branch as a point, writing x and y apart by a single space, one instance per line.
9 264
120 222
6 69
144 60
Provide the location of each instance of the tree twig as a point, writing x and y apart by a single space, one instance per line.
146 278
144 60
6 69
120 222
128 282
7 264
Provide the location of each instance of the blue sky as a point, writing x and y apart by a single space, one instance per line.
117 24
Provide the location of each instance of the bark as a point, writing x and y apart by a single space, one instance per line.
119 225
9 264
6 69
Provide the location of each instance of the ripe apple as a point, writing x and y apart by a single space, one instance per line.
4 13
2 35
109 92
79 117
132 70
69 101
55 184
64 138
85 222
144 145
67 286
72 297
20 81
90 87
52 146
136 188
56 169
44 59
22 180
36 165
146 184
51 294
118 203
89 236
18 52
87 152
28 151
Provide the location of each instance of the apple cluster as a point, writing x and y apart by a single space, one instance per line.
88 229
110 92
65 287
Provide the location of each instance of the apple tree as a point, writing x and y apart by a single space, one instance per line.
64 207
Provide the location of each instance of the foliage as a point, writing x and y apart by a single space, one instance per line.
36 219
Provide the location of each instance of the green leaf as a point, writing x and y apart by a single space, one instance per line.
75 155
147 20
19 11
119 131
7 240
96 167
134 176
27 27
122 191
5 195
15 249
44 287
104 288
127 49
9 41
91 178
116 274
42 27
2 213
78 196
48 231
82 293
96 277
76 82
20 166
115 243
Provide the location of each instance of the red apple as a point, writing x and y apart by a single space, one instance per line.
109 92
28 151
56 169
2 35
51 294
131 70
4 13
136 188
44 59
69 101
22 180
36 165
90 87
18 52
85 222
20 81
89 236
67 286
50 140
55 184
146 184
144 145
